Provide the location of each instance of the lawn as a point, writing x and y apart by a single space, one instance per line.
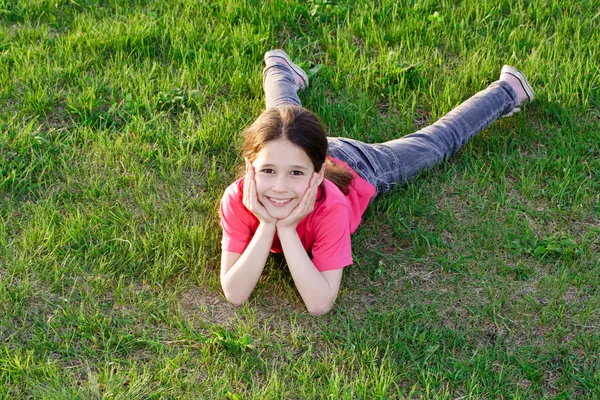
120 127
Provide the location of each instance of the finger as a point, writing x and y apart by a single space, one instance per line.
311 185
313 194
308 191
247 186
315 185
308 198
255 202
308 194
248 175
252 186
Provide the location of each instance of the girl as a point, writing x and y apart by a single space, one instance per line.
303 193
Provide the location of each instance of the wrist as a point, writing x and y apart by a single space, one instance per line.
267 226
285 230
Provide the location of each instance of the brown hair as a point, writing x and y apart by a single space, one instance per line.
300 127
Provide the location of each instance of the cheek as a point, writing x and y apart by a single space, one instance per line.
261 185
264 185
300 187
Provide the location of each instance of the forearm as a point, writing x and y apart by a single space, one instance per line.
240 280
316 292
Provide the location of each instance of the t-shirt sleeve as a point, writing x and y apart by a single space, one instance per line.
332 248
236 223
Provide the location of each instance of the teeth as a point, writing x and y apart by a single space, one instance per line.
279 201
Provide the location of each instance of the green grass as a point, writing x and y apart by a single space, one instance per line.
120 128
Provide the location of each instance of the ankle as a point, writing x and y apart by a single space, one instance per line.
516 85
281 59
517 80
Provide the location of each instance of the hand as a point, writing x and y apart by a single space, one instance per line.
250 199
305 207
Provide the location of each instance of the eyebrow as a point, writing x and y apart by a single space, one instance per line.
291 166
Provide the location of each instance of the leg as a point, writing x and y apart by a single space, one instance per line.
398 161
282 79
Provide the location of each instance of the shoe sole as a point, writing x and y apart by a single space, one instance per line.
282 54
507 69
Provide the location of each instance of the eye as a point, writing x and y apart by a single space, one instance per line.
297 173
268 171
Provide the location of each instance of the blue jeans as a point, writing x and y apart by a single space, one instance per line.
387 164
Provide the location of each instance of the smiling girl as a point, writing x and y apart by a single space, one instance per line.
304 194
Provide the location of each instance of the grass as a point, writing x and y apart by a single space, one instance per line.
120 128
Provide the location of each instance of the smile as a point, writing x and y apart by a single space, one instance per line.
279 202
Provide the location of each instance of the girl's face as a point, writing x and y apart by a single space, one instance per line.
282 174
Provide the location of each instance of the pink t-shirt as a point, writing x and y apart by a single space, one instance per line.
324 233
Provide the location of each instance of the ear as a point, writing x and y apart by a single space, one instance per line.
321 174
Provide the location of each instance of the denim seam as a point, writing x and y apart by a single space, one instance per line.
391 156
512 103
348 159
494 116
381 173
375 166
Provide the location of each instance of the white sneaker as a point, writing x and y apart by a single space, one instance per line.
280 57
517 80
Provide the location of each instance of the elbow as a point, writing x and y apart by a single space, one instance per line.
235 299
319 309
233 294
236 303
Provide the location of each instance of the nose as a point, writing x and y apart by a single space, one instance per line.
281 184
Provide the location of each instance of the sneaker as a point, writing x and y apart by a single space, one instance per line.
517 80
281 58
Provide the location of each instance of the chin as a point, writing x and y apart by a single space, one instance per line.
279 213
